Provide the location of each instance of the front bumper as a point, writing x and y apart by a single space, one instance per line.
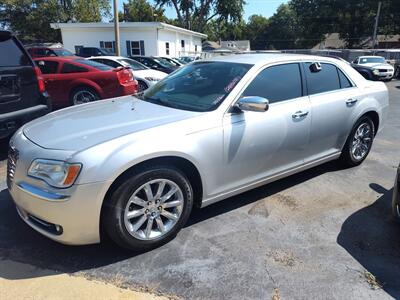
69 216
10 122
386 75
72 220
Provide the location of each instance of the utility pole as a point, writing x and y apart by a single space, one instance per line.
374 37
116 29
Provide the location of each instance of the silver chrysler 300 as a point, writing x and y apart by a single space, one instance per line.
133 167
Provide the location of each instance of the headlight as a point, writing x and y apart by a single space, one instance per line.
152 79
376 72
56 173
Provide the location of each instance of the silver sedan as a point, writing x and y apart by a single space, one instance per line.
212 129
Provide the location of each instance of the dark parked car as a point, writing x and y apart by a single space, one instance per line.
22 91
93 51
36 52
155 63
72 81
367 72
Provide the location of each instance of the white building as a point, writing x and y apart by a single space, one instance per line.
136 38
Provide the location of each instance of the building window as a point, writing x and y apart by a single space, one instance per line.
195 48
108 45
182 43
135 48
167 48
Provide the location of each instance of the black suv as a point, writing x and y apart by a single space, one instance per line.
155 63
93 51
22 91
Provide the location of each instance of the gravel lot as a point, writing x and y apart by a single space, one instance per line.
324 233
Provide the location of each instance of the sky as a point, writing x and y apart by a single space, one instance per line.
261 7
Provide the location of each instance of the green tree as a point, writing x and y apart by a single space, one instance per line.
282 30
256 31
31 19
195 15
353 20
142 11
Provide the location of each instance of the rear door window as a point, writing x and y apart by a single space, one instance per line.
344 81
12 55
70 68
93 64
326 80
48 67
277 83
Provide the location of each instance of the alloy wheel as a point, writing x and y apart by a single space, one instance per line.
83 96
153 209
362 141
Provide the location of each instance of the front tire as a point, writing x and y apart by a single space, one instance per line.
149 208
359 142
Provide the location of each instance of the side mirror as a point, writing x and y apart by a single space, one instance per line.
253 103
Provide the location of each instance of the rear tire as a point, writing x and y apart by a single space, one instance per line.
148 208
359 142
142 86
83 95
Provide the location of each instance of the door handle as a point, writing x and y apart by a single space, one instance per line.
49 80
299 114
351 101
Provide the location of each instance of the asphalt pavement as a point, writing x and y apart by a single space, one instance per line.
325 233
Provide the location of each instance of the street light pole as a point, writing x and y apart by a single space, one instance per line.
374 41
116 29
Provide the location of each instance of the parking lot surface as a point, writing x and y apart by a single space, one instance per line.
321 234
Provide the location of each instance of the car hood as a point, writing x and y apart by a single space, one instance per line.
149 73
83 126
377 66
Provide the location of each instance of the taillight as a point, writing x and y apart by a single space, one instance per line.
125 76
40 80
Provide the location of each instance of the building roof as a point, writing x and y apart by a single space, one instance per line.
333 41
137 25
236 45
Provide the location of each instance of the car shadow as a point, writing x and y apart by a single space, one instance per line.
372 237
18 242
254 195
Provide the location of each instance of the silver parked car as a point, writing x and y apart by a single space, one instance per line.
211 130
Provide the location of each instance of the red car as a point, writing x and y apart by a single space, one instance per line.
37 52
73 80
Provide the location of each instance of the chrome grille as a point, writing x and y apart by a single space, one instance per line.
11 165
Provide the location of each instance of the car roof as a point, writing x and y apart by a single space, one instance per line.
265 58
5 33
59 58
370 56
109 57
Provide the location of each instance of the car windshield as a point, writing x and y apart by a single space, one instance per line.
106 51
93 64
201 86
180 60
163 62
368 60
171 61
133 64
62 52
